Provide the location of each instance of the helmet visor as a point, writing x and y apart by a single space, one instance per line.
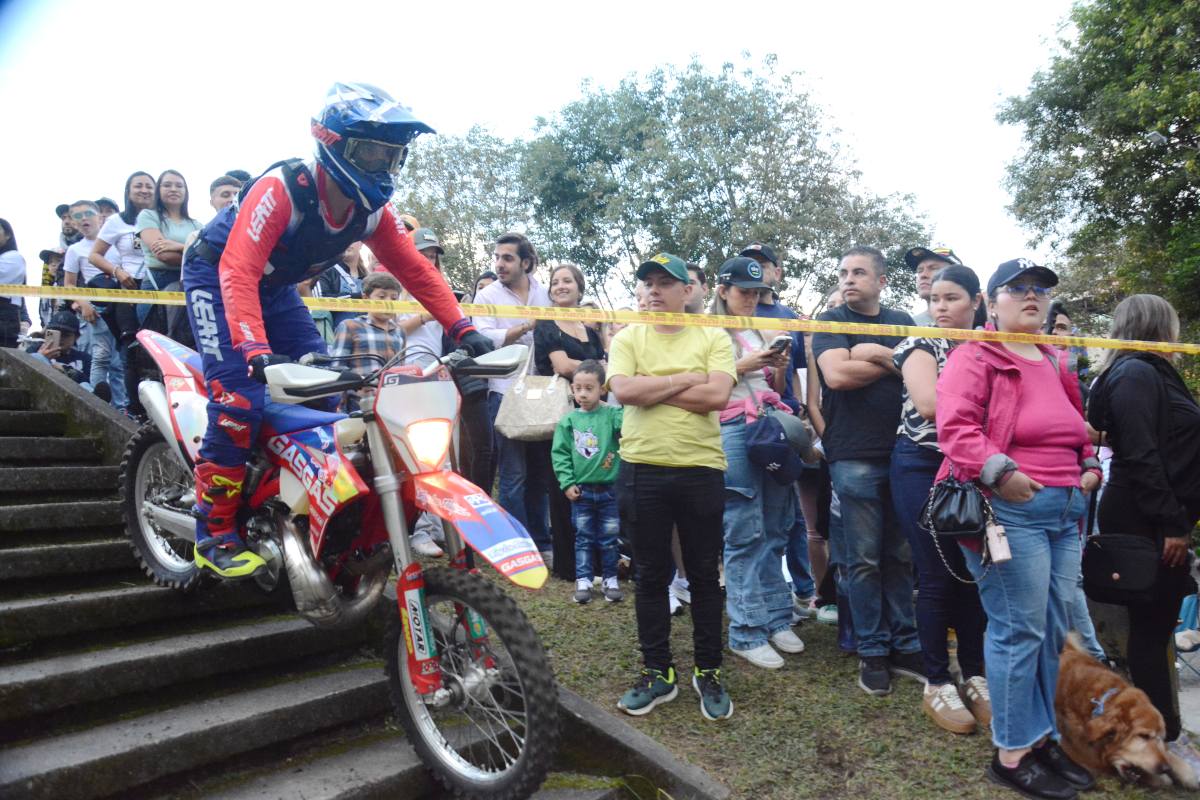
373 156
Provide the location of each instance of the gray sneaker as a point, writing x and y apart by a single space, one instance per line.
613 594
583 592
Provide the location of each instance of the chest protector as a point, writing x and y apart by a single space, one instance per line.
305 250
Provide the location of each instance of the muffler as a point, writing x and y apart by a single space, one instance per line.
317 599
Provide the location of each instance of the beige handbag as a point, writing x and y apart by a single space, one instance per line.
533 405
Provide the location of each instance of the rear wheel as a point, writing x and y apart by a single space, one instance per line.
492 731
150 473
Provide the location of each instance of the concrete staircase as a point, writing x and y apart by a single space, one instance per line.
113 687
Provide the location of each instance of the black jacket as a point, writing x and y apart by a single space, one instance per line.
1152 424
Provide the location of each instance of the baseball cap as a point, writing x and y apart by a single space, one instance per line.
918 254
61 209
743 272
50 251
1009 271
674 266
425 237
108 201
760 249
63 321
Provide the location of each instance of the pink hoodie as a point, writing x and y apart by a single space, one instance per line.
977 400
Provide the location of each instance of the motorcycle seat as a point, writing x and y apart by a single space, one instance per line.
284 418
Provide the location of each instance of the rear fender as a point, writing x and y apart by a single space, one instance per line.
486 527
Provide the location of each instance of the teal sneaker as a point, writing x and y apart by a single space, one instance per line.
714 700
653 687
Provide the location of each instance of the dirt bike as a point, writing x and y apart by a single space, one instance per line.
329 501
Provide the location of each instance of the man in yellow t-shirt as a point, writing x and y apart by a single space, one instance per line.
672 381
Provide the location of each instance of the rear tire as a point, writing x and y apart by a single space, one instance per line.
149 470
493 742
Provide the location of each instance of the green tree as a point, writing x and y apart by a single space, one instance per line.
699 163
468 190
1110 173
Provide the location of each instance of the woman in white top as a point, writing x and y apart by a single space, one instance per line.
12 271
126 265
759 511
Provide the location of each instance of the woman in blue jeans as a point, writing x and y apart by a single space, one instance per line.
943 600
1009 416
758 511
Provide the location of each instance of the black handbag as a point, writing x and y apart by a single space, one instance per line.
956 509
1120 568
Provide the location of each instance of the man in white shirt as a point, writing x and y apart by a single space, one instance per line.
95 338
525 478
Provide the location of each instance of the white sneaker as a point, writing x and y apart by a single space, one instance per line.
423 545
762 656
802 608
787 641
681 591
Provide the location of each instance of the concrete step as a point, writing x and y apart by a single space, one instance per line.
111 759
55 516
14 399
34 618
58 682
70 558
25 450
57 480
31 423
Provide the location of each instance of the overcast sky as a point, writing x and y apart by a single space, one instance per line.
93 91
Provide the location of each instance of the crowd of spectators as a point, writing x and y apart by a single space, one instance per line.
665 471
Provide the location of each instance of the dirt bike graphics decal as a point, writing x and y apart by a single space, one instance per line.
313 457
491 531
183 379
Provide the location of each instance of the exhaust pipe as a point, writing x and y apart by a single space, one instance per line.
154 399
317 599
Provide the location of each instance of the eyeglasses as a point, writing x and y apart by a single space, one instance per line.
79 215
1022 289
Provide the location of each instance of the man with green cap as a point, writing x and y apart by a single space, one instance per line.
673 380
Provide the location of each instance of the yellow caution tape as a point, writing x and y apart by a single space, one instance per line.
629 317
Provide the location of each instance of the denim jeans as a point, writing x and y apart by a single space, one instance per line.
108 363
942 601
877 558
652 501
1026 602
797 555
597 524
524 480
1079 619
759 514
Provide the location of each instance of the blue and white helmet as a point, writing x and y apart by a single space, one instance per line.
362 141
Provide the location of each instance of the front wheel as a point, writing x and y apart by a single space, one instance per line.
151 474
492 730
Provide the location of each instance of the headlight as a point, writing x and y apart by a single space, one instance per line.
430 439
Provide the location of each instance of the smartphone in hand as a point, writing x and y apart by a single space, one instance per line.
54 339
781 343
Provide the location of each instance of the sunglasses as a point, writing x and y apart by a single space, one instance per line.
78 215
1022 289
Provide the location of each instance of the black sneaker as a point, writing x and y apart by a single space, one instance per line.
1030 778
873 675
1053 756
911 665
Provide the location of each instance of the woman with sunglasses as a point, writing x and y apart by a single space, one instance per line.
1009 417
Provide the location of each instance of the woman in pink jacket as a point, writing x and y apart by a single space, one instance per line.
1009 416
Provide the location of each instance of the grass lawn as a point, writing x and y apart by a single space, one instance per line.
805 731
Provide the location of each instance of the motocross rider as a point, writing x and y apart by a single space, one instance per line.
240 279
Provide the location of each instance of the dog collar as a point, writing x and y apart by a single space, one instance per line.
1099 704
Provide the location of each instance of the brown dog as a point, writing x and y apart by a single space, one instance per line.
1107 724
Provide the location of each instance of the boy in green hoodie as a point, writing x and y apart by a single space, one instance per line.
585 461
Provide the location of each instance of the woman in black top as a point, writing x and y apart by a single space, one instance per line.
1146 414
558 348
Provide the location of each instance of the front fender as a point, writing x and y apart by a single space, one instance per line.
486 527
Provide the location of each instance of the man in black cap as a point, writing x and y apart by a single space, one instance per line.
68 235
926 261
58 349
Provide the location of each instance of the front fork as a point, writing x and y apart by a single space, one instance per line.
423 664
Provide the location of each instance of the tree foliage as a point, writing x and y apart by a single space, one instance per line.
468 190
1110 173
699 164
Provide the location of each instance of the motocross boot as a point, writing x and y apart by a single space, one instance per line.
219 549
